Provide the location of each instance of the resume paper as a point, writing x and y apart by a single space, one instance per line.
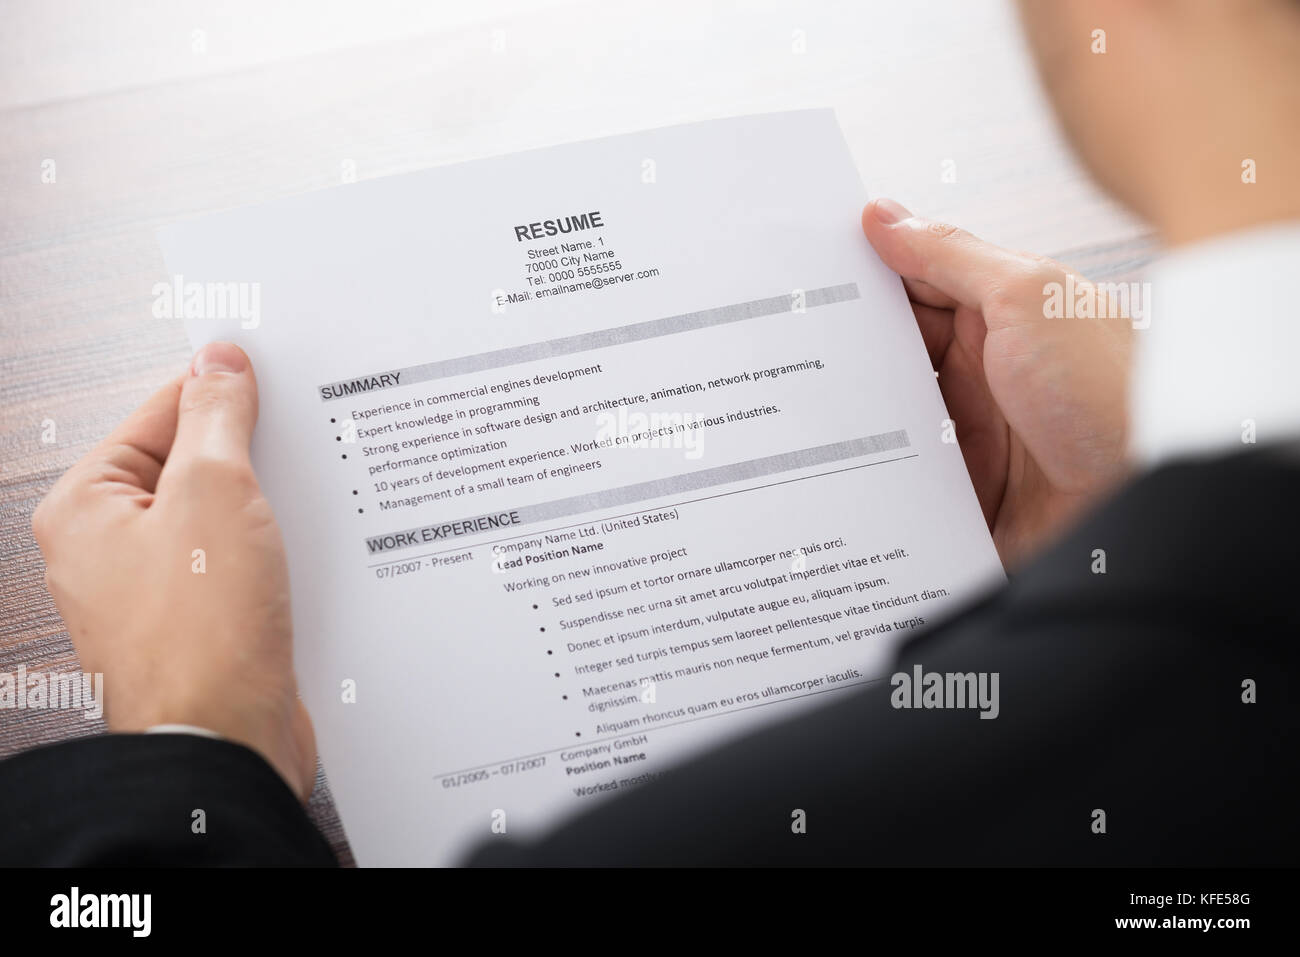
586 459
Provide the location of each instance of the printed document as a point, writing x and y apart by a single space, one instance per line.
586 459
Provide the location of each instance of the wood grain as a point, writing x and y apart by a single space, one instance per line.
143 131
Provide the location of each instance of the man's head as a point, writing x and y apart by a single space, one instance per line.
1165 100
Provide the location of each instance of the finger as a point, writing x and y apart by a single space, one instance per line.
127 463
217 409
927 295
948 260
151 428
936 327
139 445
981 429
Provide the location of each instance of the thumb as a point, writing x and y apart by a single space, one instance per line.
958 267
218 409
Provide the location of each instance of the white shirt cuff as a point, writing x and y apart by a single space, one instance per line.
182 729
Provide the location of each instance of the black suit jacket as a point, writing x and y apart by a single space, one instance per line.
1119 692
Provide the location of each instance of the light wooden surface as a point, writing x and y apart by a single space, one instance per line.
159 110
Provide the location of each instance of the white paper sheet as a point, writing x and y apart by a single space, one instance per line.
510 598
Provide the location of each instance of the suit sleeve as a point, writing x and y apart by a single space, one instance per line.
152 800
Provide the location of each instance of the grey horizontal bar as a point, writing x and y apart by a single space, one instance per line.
583 342
645 491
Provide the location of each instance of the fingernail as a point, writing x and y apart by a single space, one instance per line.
889 212
219 357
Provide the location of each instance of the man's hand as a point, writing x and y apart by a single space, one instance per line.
167 566
1039 404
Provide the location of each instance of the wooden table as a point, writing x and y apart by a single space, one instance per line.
118 117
